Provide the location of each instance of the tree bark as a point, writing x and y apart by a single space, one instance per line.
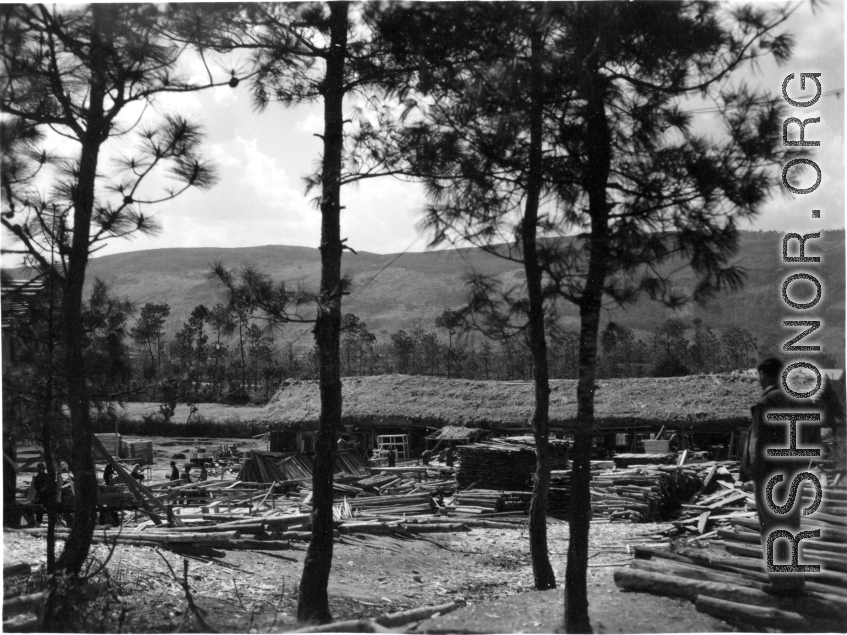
541 568
598 152
313 602
96 131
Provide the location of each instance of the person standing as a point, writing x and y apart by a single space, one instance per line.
108 474
392 457
758 466
41 491
448 457
174 472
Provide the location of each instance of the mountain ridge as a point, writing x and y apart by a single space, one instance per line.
407 290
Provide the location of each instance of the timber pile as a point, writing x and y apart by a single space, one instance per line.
735 589
495 466
296 467
559 499
626 459
732 584
141 450
262 467
351 462
111 443
481 501
268 467
643 494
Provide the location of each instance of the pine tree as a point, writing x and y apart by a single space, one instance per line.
76 70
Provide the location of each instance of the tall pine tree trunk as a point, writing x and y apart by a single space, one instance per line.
541 567
599 160
85 476
313 602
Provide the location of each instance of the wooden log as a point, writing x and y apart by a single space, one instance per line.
150 536
22 604
258 545
693 571
392 620
830 561
676 586
748 579
435 528
829 582
769 617
20 568
247 528
27 625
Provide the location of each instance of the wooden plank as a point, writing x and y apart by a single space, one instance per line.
701 522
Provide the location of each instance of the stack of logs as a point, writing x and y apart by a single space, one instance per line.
495 466
643 494
736 587
505 464
732 583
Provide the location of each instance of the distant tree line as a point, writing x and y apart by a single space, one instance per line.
223 354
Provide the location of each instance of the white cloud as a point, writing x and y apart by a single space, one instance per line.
313 124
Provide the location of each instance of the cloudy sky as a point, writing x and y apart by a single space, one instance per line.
263 157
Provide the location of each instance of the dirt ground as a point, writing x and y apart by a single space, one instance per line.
487 570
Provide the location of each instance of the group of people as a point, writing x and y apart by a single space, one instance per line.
445 456
138 473
186 475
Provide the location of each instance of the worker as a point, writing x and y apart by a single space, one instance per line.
108 474
174 472
186 476
138 472
203 474
448 458
41 490
392 457
756 464
426 457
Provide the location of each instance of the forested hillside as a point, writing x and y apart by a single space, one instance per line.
392 293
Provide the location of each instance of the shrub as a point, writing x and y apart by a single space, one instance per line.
669 366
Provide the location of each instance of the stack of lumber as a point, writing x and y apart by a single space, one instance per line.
296 467
350 462
725 574
495 466
111 443
261 467
643 494
479 501
559 499
376 482
626 459
141 450
400 503
736 589
558 448
267 467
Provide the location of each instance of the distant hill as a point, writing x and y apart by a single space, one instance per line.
412 289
